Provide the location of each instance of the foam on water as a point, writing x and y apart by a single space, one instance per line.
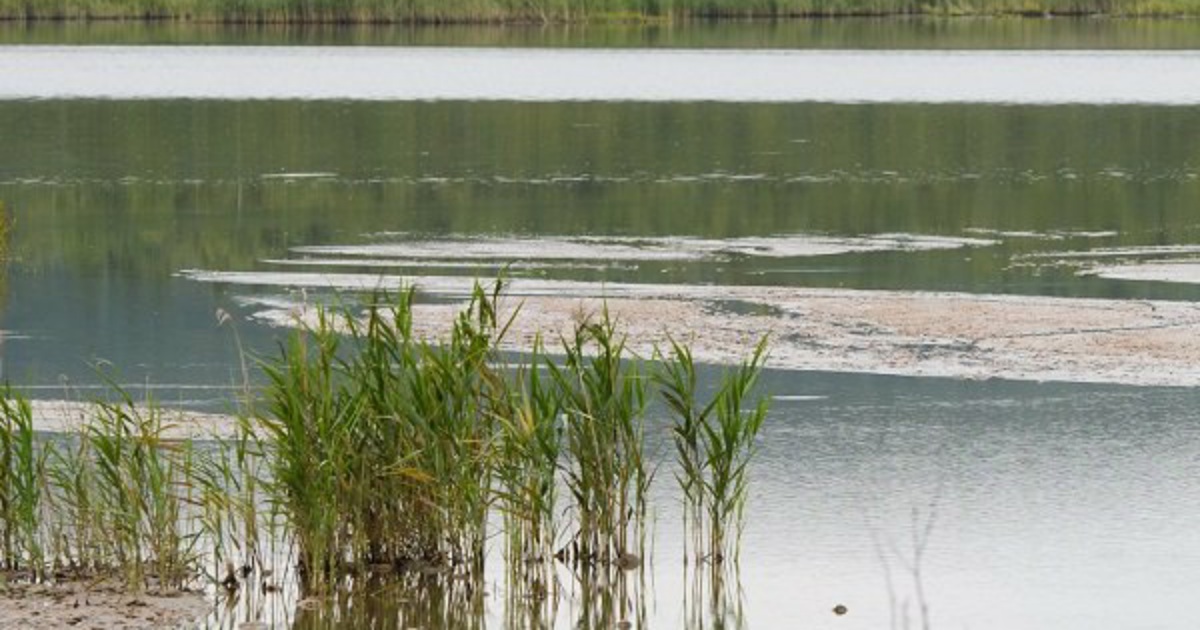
645 249
1142 251
392 263
1183 272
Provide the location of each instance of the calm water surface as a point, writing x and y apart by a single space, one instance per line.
510 74
1054 505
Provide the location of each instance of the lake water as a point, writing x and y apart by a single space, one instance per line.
540 75
1056 505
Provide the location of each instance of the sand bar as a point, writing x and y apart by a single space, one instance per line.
958 335
645 249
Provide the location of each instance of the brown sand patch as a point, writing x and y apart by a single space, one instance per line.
95 606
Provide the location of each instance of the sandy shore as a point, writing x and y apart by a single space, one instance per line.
76 605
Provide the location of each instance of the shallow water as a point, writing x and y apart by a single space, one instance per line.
1052 506
1058 505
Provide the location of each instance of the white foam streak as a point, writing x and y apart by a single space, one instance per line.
1122 252
1175 272
644 249
394 263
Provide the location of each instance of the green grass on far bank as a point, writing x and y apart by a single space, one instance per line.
446 11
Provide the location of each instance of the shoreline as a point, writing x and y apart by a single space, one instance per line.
73 604
250 17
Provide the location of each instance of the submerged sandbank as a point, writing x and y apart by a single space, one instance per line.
66 416
907 333
639 248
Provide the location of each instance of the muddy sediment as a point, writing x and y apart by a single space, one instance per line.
97 606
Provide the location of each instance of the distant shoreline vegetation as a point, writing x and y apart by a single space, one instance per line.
525 11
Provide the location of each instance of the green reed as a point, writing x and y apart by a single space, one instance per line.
714 444
527 465
226 482
383 443
607 471
308 432
78 516
139 479
22 471
105 500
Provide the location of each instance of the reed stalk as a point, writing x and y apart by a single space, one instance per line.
606 468
531 447
383 453
714 444
22 471
139 480
107 499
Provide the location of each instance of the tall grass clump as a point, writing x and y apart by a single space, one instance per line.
308 425
140 482
22 474
106 500
607 471
226 482
383 442
714 443
530 453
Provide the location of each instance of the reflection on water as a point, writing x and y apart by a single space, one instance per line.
859 33
534 596
997 504
550 75
420 601
1056 506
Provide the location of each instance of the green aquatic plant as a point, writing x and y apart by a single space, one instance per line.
139 480
224 486
606 467
105 499
307 424
530 434
77 524
22 474
383 443
714 444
